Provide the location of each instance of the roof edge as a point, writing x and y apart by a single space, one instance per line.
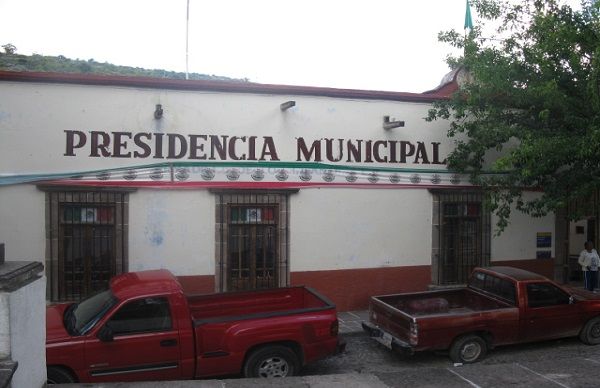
216 86
448 85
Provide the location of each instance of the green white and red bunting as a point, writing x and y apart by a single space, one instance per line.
259 175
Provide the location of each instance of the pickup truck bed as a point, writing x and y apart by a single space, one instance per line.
254 318
144 327
500 306
458 301
248 305
431 320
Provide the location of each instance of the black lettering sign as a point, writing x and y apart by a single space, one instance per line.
71 145
142 145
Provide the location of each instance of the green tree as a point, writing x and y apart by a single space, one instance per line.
528 115
9 48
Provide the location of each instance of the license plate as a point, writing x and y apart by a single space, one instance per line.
386 340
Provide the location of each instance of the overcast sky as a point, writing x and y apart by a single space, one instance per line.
363 44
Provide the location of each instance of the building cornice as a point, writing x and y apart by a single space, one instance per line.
221 86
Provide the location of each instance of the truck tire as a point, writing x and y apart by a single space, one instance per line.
57 375
590 334
468 349
272 361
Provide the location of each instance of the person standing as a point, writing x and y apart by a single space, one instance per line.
589 262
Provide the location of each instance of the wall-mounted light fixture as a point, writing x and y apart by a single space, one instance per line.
158 111
287 105
387 124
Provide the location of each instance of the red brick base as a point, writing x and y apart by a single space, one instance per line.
350 289
198 284
544 267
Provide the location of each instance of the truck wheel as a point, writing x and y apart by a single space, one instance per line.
272 361
56 375
468 349
590 334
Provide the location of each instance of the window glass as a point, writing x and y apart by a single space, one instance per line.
545 294
502 288
142 315
507 291
478 280
88 312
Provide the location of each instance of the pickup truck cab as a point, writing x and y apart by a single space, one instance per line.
145 328
500 306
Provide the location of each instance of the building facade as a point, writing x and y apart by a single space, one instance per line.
235 186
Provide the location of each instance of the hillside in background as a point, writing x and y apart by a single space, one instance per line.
43 63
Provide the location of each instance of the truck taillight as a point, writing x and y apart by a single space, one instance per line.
334 328
414 333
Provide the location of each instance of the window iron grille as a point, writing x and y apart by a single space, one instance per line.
461 236
86 241
252 240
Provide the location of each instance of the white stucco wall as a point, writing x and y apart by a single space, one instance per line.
330 228
519 240
576 241
22 222
4 325
34 118
28 334
353 228
173 229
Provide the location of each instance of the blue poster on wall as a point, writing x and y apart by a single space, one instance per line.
544 240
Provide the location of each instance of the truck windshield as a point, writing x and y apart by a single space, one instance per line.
81 317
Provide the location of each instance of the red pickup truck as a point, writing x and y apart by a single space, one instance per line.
500 306
145 328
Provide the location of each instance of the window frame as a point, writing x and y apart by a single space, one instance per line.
117 333
56 198
496 292
476 223
527 292
226 199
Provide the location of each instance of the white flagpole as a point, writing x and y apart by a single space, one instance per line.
187 29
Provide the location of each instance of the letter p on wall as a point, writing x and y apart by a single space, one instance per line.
72 144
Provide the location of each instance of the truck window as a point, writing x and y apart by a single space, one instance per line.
545 295
500 288
81 317
141 316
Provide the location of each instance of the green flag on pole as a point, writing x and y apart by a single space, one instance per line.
468 19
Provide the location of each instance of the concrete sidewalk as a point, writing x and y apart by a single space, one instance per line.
348 380
350 321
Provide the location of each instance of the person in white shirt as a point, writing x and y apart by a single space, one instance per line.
589 262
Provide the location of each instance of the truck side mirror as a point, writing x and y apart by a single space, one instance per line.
105 334
571 299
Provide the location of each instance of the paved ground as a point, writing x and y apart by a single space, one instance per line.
564 363
350 322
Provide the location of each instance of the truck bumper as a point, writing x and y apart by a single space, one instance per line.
386 339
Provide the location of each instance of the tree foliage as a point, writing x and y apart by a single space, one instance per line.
9 48
11 61
528 116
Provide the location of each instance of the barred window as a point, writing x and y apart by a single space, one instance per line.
252 240
461 235
86 241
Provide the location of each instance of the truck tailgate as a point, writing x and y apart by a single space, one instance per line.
391 320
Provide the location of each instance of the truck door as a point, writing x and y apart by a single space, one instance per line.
145 344
549 313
